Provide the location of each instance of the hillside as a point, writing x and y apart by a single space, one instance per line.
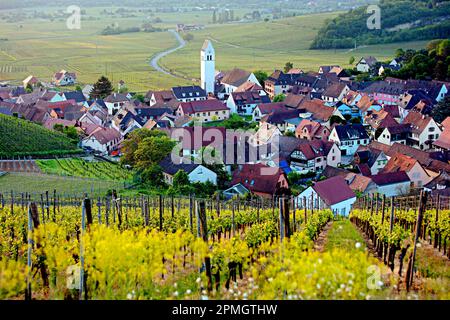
86 169
21 138
401 21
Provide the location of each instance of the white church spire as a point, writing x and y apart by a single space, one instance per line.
208 68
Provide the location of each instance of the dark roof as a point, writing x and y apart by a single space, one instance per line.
5 111
266 108
171 168
99 102
401 128
116 97
280 116
189 92
382 179
78 96
249 97
334 90
280 78
152 112
330 171
334 190
385 87
202 106
351 132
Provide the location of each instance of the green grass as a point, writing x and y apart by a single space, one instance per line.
42 47
81 168
25 138
269 45
343 235
39 183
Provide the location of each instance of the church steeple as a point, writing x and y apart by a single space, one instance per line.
207 65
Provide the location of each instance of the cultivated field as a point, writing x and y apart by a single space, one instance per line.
86 169
41 47
35 183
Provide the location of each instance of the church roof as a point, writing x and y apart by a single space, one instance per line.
206 44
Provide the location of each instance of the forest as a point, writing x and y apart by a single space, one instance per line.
401 21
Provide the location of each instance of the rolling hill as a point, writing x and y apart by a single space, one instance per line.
405 20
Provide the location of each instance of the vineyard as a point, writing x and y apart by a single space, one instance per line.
22 138
186 248
87 169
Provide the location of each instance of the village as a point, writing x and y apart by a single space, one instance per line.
324 135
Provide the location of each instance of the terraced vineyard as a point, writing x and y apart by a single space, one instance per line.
157 248
77 167
22 138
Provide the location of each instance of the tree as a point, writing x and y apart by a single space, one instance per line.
288 66
152 150
352 60
123 89
443 49
261 76
102 88
71 132
336 119
442 110
289 133
131 144
78 88
399 53
153 176
140 97
180 179
279 98
355 120
29 88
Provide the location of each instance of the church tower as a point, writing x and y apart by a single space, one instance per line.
208 67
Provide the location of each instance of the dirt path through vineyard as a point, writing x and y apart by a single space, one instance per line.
321 241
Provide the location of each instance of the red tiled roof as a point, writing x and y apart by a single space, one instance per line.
105 135
333 190
382 179
317 108
266 108
258 178
444 139
418 121
399 162
364 169
446 123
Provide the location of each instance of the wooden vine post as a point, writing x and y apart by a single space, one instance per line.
191 204
204 234
422 207
161 208
293 214
29 252
86 219
281 218
436 235
306 213
286 220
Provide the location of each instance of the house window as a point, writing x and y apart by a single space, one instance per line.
431 129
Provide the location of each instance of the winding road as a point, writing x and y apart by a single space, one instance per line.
154 61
